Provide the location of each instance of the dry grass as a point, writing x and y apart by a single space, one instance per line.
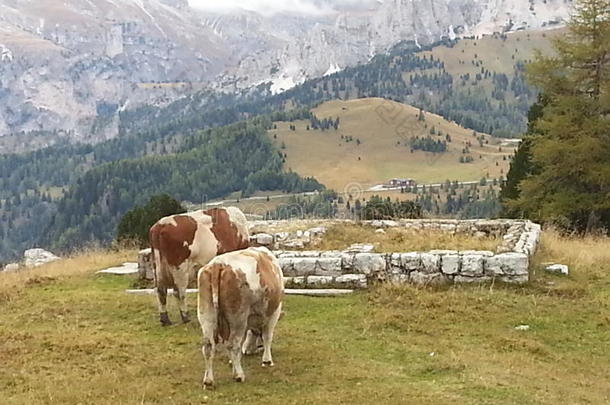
80 339
590 252
341 236
83 263
495 54
380 124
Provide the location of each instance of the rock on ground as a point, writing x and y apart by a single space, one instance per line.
11 267
558 269
38 257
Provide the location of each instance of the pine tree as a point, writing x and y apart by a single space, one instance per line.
571 152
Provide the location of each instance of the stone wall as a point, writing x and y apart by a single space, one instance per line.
358 267
510 262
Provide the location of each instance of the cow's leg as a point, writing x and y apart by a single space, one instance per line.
181 280
208 350
180 294
268 329
162 298
249 346
236 340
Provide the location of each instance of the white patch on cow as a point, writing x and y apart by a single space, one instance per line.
238 218
243 263
274 260
205 245
168 221
200 217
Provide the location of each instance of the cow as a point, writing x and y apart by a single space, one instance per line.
240 299
183 243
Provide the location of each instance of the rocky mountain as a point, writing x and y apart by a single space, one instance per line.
68 67
295 48
74 64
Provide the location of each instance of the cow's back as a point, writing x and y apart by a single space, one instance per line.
230 228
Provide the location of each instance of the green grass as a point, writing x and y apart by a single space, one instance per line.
79 339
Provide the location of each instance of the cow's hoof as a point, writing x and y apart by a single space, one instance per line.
208 385
239 379
267 364
164 318
185 317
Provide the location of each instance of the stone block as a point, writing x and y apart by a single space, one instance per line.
302 266
485 253
395 264
421 278
319 280
431 263
347 261
472 265
507 264
355 280
450 264
294 280
264 239
411 261
369 263
328 266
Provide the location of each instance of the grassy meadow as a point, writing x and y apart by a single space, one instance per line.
69 336
384 128
492 52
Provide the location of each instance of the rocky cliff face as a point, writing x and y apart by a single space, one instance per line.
313 47
73 65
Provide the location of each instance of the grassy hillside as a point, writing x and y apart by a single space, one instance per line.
76 337
384 128
497 53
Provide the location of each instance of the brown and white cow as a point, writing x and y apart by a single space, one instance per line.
240 293
182 243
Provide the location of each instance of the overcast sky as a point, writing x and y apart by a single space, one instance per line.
311 7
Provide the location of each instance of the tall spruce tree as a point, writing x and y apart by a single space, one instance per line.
570 146
521 166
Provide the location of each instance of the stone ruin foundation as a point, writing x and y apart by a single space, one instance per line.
358 266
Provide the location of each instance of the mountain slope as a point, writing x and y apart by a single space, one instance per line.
380 147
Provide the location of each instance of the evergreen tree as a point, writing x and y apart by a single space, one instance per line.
136 223
571 152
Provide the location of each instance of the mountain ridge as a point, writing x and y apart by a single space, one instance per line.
73 66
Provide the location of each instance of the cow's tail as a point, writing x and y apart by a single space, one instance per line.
153 259
221 326
216 287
